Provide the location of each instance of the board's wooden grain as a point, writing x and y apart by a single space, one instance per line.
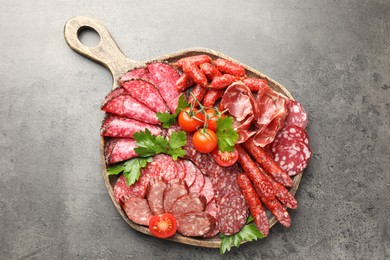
108 54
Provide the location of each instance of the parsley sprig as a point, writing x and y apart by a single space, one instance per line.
248 233
227 136
131 169
168 119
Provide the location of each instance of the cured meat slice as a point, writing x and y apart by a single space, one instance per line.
296 114
168 169
240 103
207 190
120 149
155 195
165 77
227 183
181 171
140 73
126 105
195 224
121 190
190 203
213 209
268 163
175 190
190 169
146 93
198 183
291 132
292 156
233 213
119 126
138 211
113 93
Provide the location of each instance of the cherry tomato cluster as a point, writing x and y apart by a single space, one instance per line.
205 140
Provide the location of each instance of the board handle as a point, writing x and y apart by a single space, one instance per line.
105 52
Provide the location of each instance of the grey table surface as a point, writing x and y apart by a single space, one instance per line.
334 57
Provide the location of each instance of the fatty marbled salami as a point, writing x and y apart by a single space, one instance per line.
155 195
296 114
146 93
175 190
233 213
190 203
195 224
138 211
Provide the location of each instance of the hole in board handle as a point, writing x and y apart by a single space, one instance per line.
88 36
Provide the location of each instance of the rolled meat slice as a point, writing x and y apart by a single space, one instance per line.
146 93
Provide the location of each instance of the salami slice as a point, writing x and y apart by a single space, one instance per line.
213 209
121 190
233 212
226 184
165 77
120 149
198 183
291 132
138 211
190 169
181 171
207 190
126 105
190 203
140 73
113 93
146 93
175 190
296 114
292 156
119 126
195 224
155 195
168 170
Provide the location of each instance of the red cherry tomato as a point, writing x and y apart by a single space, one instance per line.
212 118
205 140
163 225
189 120
225 158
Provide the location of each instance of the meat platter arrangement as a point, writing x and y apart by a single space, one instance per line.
196 147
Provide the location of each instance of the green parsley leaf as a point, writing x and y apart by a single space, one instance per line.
115 169
148 144
131 169
248 233
168 119
227 136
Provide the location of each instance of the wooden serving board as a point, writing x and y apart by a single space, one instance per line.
108 54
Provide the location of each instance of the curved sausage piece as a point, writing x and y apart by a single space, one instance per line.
255 207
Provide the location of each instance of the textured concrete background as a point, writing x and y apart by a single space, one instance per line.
334 56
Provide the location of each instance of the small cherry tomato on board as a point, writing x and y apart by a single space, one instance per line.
225 158
205 140
163 225
190 120
212 118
